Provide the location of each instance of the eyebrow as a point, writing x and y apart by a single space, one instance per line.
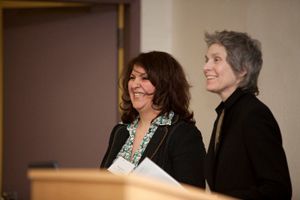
138 72
215 54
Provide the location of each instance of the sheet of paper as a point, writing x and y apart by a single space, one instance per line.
148 168
121 166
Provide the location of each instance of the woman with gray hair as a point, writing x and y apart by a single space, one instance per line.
245 158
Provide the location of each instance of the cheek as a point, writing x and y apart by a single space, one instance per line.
149 87
129 85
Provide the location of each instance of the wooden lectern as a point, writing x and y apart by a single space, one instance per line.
95 184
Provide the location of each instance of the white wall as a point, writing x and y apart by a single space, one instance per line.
178 26
156 23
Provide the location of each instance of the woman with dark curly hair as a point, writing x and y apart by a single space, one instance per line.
156 120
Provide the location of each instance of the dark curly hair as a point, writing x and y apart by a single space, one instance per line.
171 87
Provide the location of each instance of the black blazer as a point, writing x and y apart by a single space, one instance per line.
250 162
178 149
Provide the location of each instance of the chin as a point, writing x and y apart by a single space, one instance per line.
137 107
212 90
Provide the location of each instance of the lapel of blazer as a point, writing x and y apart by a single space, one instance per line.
120 137
155 143
158 139
210 161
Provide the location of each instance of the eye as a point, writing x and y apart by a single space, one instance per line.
217 59
131 77
145 78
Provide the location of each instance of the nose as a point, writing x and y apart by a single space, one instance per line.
207 66
136 82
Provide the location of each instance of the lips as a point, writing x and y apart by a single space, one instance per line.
138 94
210 77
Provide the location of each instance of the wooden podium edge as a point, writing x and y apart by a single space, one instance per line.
103 176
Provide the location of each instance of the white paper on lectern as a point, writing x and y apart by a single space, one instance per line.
121 166
148 168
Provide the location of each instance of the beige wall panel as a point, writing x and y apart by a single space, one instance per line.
275 23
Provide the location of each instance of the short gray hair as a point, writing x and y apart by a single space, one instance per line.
243 53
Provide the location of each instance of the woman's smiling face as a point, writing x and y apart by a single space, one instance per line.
140 89
220 78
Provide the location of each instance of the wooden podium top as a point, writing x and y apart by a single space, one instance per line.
92 184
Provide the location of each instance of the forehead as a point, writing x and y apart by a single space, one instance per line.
216 50
137 69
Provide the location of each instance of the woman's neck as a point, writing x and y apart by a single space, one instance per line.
147 117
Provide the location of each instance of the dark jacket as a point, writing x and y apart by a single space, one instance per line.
178 149
249 162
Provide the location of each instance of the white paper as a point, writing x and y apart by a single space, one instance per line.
148 168
121 166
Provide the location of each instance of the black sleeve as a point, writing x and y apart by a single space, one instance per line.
108 150
264 146
187 155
